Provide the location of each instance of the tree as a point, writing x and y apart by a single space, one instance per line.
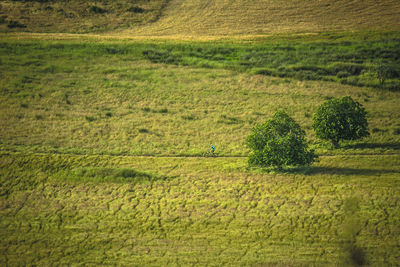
340 119
383 72
279 142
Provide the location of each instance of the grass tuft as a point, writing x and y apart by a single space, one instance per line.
143 130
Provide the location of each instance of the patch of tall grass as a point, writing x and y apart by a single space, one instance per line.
355 63
101 175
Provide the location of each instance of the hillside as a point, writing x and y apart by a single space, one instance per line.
222 17
108 109
198 17
103 158
76 16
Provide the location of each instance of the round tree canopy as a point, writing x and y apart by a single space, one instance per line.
340 119
279 142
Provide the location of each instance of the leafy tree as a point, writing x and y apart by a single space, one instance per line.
279 142
340 119
383 72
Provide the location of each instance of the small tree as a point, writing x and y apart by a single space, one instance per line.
383 72
340 119
279 142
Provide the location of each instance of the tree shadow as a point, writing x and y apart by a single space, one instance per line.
372 146
357 255
337 171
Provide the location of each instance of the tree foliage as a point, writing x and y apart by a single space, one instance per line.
279 142
383 72
340 119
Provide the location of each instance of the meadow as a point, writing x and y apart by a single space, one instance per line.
76 16
102 143
197 18
123 98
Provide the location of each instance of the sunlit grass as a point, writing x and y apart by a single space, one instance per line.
208 210
104 98
197 18
102 163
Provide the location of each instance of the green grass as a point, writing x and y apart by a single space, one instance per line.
208 211
347 62
106 98
101 155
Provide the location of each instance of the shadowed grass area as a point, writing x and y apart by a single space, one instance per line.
355 63
335 171
101 175
373 146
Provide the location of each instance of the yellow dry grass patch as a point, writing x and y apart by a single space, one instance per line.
249 17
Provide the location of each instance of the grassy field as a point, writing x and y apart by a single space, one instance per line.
191 19
198 18
197 211
76 15
107 98
104 137
102 142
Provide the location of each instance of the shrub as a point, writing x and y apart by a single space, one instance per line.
96 9
15 24
3 19
143 130
189 117
136 9
351 69
162 56
163 110
229 120
279 142
383 72
340 119
90 119
342 74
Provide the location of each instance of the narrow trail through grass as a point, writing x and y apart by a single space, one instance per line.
198 156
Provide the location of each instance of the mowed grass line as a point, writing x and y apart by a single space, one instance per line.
206 211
